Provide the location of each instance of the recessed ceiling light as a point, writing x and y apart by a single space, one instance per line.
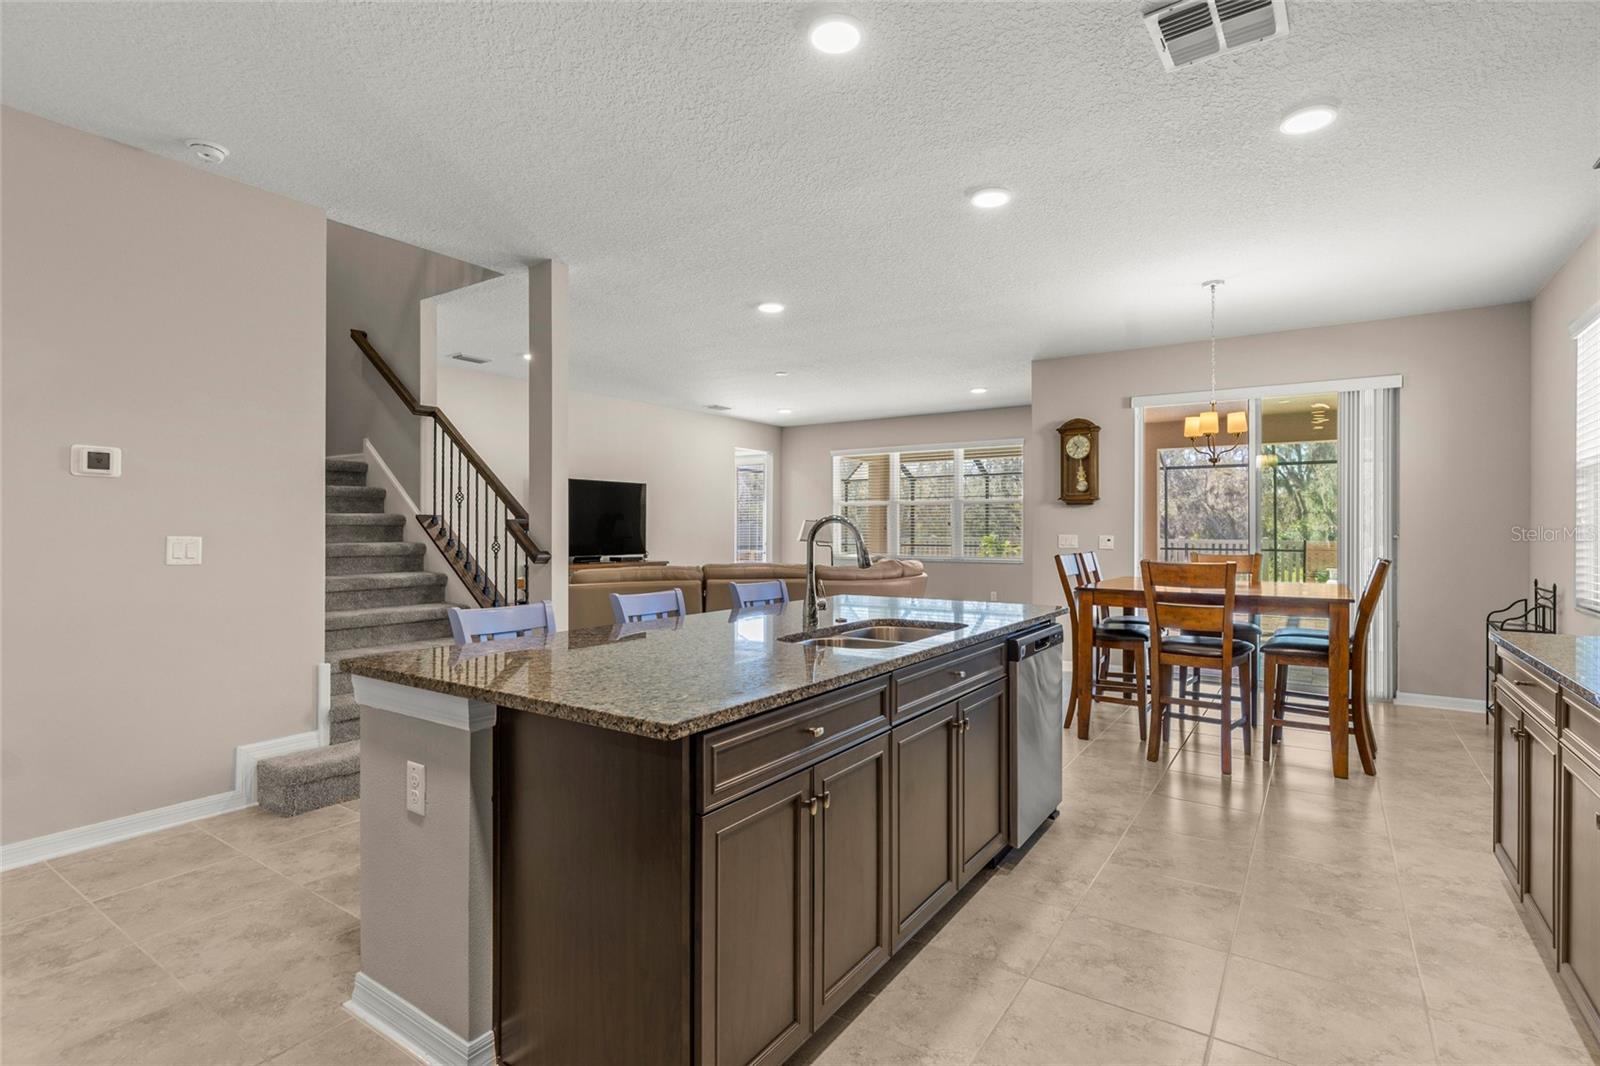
1308 120
208 151
781 374
989 198
527 357
835 35
978 391
770 308
785 411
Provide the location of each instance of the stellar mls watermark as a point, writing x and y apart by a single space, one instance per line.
1552 534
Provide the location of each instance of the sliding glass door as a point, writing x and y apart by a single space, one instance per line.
1297 464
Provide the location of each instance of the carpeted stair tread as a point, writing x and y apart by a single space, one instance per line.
364 518
385 616
401 579
353 499
306 780
336 659
341 549
344 466
343 708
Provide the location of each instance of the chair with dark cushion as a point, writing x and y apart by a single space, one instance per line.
1128 688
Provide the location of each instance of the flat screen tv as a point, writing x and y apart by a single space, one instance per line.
605 517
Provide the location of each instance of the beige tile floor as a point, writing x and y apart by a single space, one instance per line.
229 941
1172 916
1168 916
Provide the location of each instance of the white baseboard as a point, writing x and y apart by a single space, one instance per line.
1439 703
398 1020
55 845
246 756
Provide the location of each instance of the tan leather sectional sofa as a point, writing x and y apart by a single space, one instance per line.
705 588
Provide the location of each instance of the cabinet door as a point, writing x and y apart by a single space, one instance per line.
1539 821
1579 946
1508 790
852 926
983 778
924 752
755 926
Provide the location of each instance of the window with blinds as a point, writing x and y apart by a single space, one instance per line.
1586 528
752 479
957 503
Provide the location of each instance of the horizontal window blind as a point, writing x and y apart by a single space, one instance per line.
1586 528
962 502
751 493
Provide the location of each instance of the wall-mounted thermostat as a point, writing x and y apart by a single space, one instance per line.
95 460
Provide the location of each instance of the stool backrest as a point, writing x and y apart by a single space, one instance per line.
489 623
1249 563
1089 564
1070 570
1368 606
758 593
1166 602
643 606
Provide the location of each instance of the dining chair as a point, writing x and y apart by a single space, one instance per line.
1249 628
758 593
1198 635
1105 687
644 606
1089 573
1309 648
478 624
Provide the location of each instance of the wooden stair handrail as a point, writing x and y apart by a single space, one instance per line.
517 523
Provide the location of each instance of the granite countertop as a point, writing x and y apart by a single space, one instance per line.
673 678
1571 661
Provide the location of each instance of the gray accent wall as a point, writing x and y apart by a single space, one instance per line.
166 310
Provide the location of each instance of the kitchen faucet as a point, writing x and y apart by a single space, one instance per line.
863 560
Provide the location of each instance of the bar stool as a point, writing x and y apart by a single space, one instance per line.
645 606
1133 640
1309 648
1204 640
758 593
1248 564
480 624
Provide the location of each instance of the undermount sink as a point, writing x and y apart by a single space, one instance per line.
876 634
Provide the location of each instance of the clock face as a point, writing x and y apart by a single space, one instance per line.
1077 447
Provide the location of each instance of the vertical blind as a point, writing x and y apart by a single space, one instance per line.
751 527
961 502
1586 527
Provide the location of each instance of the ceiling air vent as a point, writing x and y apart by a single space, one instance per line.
718 407
1193 30
463 357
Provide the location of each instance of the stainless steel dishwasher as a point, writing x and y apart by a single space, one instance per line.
1037 712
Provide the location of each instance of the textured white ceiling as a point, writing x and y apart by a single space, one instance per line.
689 161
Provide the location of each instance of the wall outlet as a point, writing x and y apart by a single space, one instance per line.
1067 541
183 551
993 595
416 788
1108 542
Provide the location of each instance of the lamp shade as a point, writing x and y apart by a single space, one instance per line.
1237 423
1191 426
1208 423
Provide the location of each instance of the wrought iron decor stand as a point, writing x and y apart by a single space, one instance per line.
1520 616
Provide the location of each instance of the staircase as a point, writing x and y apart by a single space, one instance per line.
378 598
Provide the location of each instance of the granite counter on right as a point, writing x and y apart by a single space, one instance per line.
1546 831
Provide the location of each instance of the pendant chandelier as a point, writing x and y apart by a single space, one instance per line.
1204 430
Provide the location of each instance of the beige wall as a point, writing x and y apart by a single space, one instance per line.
1462 490
177 315
1573 292
377 284
685 458
807 480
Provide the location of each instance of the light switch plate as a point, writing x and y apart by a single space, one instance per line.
183 551
1067 541
1108 542
416 788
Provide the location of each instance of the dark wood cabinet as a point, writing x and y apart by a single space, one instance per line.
1538 821
983 778
755 886
1508 786
926 867
852 923
1578 928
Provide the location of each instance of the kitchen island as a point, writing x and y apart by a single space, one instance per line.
1547 796
688 840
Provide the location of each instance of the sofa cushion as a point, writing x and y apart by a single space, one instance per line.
752 571
618 575
882 570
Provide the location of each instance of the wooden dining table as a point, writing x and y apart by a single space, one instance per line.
1329 600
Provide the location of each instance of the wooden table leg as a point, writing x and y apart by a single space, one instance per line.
1339 686
1083 660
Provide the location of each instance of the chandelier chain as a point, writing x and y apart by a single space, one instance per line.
1213 288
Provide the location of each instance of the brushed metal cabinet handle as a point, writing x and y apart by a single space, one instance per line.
816 730
961 675
827 799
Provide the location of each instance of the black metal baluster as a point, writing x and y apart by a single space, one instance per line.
434 476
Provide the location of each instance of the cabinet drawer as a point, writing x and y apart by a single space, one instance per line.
739 758
1517 702
918 688
1582 728
1529 685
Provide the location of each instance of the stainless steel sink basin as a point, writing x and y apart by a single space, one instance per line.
868 635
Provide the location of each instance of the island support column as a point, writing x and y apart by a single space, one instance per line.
427 881
548 339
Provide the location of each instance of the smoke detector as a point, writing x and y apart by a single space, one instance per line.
1191 31
463 357
208 151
